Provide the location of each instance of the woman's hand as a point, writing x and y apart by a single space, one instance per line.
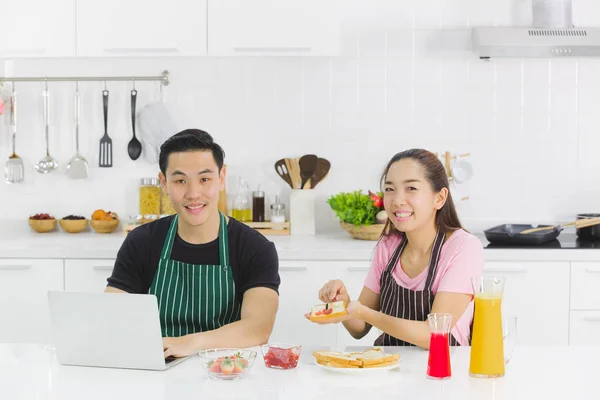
179 346
334 291
354 310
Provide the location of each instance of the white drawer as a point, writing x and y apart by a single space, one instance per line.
87 275
585 281
585 328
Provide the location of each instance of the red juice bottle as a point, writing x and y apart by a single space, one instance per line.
438 365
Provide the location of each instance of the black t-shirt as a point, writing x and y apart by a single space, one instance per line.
253 258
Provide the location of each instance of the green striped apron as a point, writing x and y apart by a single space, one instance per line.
194 297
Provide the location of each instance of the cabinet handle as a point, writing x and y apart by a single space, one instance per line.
272 49
103 267
506 271
592 319
294 269
593 270
8 266
357 269
27 51
118 50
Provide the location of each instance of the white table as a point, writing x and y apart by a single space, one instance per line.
30 371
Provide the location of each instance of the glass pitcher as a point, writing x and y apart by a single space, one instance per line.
438 364
487 345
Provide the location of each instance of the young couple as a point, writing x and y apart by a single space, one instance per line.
217 280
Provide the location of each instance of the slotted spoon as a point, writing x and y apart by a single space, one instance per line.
14 170
46 164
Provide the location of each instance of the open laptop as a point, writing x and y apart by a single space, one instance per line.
108 330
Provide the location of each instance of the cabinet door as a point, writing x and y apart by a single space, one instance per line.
298 292
353 274
24 286
538 294
38 28
87 275
112 28
273 27
585 281
585 328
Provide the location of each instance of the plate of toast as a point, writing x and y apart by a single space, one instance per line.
356 362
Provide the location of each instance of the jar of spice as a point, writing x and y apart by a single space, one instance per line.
258 206
149 196
277 212
165 203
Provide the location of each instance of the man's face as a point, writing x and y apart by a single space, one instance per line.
193 182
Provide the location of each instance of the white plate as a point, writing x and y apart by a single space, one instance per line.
358 370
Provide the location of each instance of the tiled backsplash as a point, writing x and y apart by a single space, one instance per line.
406 79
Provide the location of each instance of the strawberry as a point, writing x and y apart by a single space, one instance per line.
214 366
227 366
240 365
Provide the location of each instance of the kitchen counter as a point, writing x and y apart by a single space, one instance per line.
28 371
17 240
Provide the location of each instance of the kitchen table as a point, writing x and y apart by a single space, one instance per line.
31 371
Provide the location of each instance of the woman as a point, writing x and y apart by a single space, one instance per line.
422 264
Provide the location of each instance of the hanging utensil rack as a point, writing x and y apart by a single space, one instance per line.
163 78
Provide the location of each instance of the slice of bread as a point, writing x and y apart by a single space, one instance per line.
372 358
376 356
336 358
327 311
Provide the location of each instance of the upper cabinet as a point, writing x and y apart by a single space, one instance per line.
273 28
113 28
38 28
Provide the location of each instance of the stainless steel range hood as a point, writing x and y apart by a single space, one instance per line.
507 42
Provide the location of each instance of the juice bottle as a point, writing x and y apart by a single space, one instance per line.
438 364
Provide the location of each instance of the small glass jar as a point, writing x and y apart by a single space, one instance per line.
149 196
166 207
277 212
258 206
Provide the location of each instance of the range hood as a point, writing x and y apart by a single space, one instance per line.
523 42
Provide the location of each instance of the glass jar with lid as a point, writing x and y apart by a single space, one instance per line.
149 196
166 208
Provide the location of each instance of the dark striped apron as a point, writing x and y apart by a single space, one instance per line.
194 297
399 302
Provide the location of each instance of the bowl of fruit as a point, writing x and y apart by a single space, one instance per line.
42 223
281 355
104 221
227 364
73 223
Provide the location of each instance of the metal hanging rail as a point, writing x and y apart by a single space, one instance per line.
163 78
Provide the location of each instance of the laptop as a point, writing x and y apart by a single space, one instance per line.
108 330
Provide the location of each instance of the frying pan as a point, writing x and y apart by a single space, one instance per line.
510 234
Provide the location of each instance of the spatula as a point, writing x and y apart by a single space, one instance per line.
78 166
105 160
321 171
14 169
308 164
282 171
580 223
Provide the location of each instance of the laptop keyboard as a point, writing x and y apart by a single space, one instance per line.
170 359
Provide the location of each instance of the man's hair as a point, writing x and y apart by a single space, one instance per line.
190 140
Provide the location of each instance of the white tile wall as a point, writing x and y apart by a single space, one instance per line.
406 79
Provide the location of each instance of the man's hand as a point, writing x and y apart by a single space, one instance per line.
179 346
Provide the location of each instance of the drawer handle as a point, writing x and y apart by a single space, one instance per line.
506 271
592 319
272 49
358 269
118 50
25 266
294 269
103 267
593 270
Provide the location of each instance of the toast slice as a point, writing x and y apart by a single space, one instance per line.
373 358
340 359
327 311
376 356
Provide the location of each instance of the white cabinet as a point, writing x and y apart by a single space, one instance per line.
585 328
538 294
273 28
298 292
585 281
24 286
87 275
353 274
37 28
113 28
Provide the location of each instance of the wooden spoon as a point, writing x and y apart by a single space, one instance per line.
580 223
321 171
308 164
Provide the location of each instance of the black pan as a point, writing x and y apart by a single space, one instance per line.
510 234
591 232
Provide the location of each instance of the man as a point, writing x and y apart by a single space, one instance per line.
216 279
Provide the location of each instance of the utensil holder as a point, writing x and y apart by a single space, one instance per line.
302 212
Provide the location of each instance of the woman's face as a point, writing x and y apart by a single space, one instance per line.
408 197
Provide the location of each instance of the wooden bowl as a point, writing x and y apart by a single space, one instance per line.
363 232
73 225
102 226
42 225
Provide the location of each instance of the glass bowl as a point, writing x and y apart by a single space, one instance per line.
281 355
227 364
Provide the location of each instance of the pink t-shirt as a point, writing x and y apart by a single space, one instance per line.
460 259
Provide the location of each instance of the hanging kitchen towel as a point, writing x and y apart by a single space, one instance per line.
156 126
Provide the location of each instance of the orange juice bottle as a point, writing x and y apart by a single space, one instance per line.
487 345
